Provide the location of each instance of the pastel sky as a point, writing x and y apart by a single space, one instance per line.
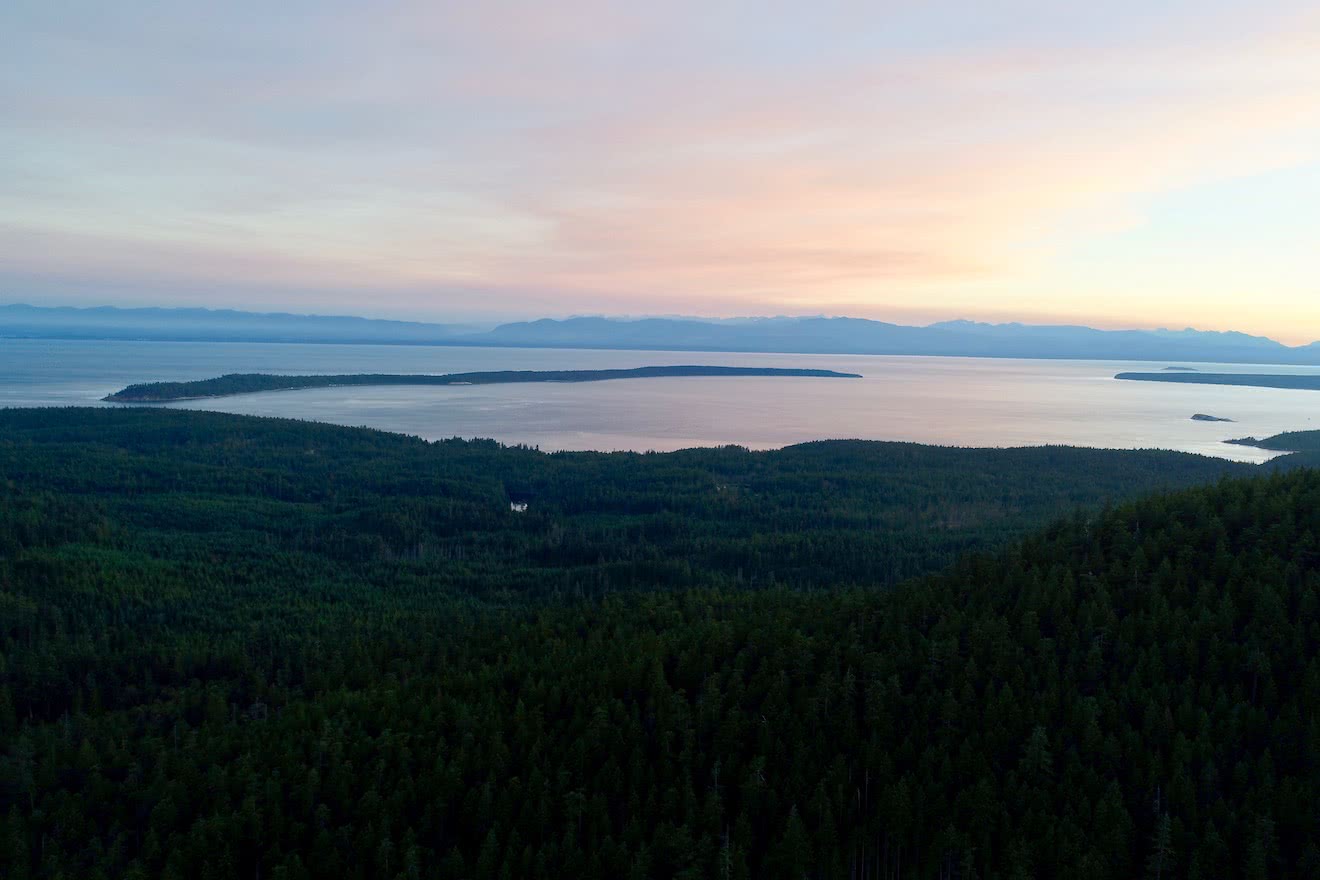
1121 164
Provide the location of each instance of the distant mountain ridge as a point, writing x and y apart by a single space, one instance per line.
802 335
821 335
212 325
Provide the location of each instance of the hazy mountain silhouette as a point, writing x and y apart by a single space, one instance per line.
859 336
212 325
807 335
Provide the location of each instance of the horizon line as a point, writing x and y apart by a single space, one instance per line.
632 318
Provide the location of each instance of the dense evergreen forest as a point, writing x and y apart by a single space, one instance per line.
237 647
248 383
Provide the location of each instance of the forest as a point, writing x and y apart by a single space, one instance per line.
241 647
248 383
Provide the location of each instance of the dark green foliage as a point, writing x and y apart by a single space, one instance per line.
1289 441
280 496
247 383
241 647
1303 448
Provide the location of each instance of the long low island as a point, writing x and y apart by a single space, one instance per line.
250 383
1297 381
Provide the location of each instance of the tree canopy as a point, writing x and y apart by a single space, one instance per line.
251 647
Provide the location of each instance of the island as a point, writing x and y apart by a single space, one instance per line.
250 383
1181 369
1202 417
1295 381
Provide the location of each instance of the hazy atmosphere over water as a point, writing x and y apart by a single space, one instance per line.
944 401
1123 164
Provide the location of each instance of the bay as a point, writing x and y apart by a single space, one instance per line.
937 400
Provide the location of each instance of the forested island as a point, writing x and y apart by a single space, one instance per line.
248 383
1255 380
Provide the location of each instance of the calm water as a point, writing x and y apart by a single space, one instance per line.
948 401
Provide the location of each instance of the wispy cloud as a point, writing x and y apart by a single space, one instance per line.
931 159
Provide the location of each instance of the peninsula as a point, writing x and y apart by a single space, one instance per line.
1304 382
249 383
1289 441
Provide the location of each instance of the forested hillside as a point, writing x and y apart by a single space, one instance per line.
200 488
244 647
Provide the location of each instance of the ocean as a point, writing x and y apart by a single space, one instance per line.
936 400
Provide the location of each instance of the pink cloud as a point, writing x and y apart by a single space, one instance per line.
642 156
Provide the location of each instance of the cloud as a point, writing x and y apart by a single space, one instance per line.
740 157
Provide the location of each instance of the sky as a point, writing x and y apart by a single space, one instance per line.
1125 164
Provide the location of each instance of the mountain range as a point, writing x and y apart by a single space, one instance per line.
806 335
